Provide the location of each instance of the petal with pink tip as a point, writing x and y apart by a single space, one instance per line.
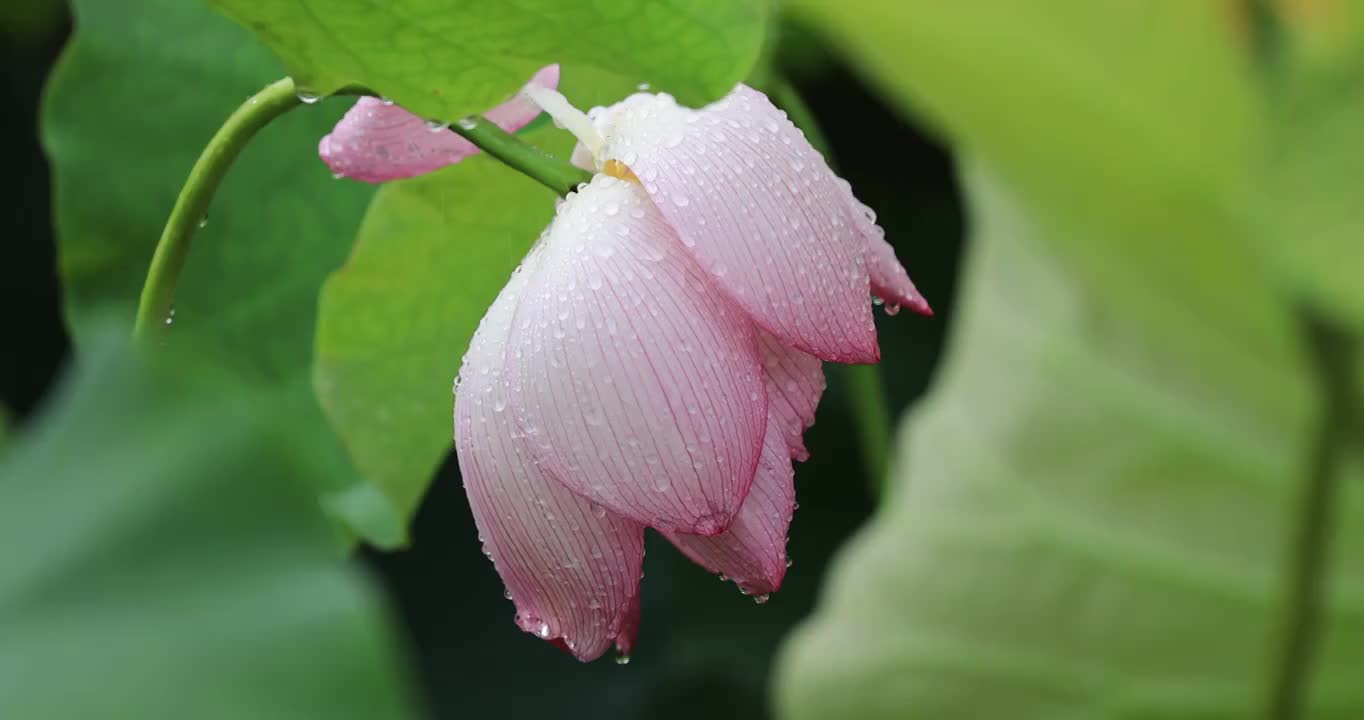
638 382
889 281
759 208
795 382
752 552
572 568
377 141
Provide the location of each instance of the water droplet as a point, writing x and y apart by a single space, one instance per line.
307 96
338 175
680 200
170 316
789 561
643 87
385 100
892 308
542 630
467 123
622 659
507 594
760 599
436 125
203 221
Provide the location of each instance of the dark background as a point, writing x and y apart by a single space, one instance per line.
703 648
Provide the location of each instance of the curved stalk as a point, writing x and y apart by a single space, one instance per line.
191 208
157 302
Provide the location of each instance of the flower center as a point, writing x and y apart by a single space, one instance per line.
618 170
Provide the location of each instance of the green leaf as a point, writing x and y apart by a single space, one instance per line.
1315 176
173 566
141 88
432 255
447 60
1083 527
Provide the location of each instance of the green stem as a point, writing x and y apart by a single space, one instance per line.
548 170
1300 617
870 410
157 302
191 207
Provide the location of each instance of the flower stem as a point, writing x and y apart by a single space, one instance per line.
531 161
1309 555
157 301
870 410
191 207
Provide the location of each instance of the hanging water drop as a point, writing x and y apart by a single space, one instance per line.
307 96
436 125
203 222
467 123
622 659
170 316
760 599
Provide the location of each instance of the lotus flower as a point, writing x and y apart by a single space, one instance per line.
656 358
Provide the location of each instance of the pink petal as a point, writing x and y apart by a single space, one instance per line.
752 552
638 381
377 142
758 206
571 567
795 382
889 281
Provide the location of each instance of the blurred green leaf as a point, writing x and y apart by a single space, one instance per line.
1131 118
1079 530
1315 178
447 60
165 562
141 88
432 255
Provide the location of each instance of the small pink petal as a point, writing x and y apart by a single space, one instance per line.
795 382
761 211
571 567
752 552
889 281
376 141
638 383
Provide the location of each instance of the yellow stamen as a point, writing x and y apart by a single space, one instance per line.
618 170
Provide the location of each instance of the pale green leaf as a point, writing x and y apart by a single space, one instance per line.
1080 528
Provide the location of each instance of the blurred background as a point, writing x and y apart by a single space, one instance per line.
704 649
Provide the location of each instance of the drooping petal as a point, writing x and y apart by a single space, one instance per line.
571 567
795 382
752 552
638 382
759 208
889 281
377 141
